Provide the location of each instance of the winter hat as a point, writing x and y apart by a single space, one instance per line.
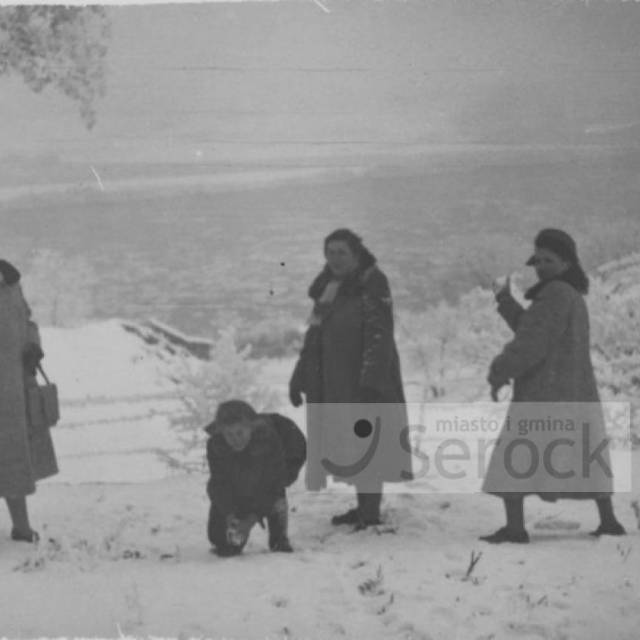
230 412
10 274
557 241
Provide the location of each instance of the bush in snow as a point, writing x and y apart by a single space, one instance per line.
271 337
230 373
615 327
451 345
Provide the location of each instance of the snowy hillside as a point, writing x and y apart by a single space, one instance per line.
124 550
116 397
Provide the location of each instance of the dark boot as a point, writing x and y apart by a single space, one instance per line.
278 522
609 525
368 510
25 536
348 517
506 535
21 531
514 531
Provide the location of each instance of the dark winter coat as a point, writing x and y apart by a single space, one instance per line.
248 481
549 362
26 454
352 351
293 444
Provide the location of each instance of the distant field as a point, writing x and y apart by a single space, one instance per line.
196 257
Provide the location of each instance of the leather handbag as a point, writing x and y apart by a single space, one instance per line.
43 408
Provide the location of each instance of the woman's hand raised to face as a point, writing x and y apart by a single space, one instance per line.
501 286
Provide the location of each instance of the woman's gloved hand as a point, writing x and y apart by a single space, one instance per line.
238 529
234 536
295 395
501 288
9 275
496 382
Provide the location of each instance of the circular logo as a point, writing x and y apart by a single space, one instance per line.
363 428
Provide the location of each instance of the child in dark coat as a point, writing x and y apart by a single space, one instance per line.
252 458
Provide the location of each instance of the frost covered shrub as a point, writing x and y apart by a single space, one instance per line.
615 341
274 337
269 336
230 373
449 345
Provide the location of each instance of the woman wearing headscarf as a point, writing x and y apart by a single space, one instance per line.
548 360
350 356
26 454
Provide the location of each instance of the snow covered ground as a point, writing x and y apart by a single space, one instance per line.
133 559
124 549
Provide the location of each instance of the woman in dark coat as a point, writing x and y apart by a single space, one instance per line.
350 356
549 362
26 455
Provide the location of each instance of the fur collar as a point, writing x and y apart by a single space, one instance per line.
351 285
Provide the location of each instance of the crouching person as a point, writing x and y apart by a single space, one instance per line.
252 458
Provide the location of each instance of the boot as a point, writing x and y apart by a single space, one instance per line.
368 510
514 531
25 536
278 521
506 535
615 529
348 517
609 524
21 531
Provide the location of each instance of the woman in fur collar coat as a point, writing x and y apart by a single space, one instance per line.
350 356
554 387
26 454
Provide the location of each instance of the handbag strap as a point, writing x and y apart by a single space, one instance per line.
44 375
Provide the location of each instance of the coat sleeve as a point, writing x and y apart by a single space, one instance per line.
32 332
378 332
297 380
274 475
219 487
295 447
299 377
510 309
538 329
32 352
